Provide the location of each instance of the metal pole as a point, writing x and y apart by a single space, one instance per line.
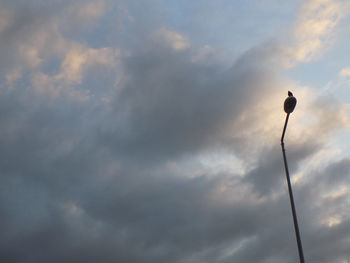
295 220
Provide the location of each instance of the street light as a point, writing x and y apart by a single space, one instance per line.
289 105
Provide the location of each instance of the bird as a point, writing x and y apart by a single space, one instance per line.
289 103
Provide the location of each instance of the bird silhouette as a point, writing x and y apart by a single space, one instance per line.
289 103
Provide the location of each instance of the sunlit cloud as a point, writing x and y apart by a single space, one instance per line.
314 29
76 63
345 72
79 58
175 40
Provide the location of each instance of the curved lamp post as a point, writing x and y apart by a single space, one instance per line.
289 105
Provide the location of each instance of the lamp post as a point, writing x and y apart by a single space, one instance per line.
289 105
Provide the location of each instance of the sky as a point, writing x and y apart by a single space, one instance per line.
149 131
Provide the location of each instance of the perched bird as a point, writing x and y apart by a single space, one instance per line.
289 103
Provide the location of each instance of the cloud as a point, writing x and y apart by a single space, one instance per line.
77 62
173 39
4 20
345 72
87 10
195 105
314 29
36 50
122 180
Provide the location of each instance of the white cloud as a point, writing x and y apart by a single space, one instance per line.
79 58
345 72
314 29
77 61
174 39
30 56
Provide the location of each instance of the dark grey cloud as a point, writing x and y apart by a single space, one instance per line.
266 176
92 181
169 105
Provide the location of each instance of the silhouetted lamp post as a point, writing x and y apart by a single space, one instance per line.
289 105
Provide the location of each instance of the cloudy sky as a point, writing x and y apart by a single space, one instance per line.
149 131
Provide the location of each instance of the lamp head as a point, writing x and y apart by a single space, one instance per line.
289 103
